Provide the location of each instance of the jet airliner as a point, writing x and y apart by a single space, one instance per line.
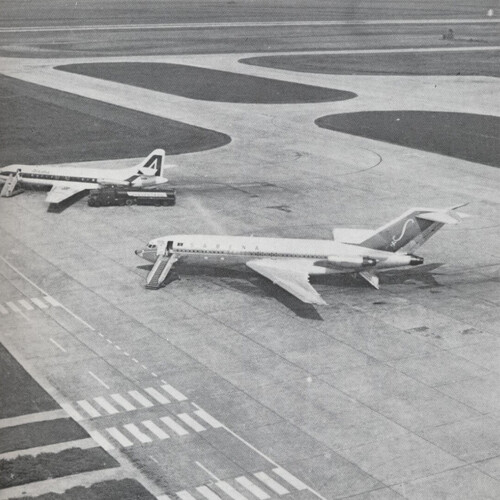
68 181
289 262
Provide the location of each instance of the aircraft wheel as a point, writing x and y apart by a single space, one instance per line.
129 203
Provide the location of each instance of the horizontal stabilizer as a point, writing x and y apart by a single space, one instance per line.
441 217
353 236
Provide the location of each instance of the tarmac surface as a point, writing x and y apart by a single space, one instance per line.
221 385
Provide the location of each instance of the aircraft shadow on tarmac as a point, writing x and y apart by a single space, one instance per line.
246 281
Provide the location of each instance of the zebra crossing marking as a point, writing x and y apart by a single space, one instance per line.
124 403
252 488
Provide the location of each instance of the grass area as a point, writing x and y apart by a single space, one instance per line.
460 135
207 84
28 469
19 393
409 63
22 437
125 489
40 125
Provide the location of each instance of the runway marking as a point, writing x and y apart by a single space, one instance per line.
39 303
290 478
157 395
106 386
57 345
184 495
71 412
135 360
174 392
208 418
136 432
118 347
101 440
3 310
208 493
210 473
107 406
52 301
123 440
123 402
151 426
14 307
163 497
89 408
146 403
271 483
26 305
243 24
229 490
191 422
252 488
178 429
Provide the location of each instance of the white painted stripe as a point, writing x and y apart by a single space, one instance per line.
89 408
59 346
157 395
163 497
52 301
141 399
106 405
189 420
101 440
38 302
14 307
174 426
208 418
290 479
184 495
114 432
134 430
208 493
174 392
271 483
3 310
93 375
71 412
26 305
125 404
252 488
229 490
159 433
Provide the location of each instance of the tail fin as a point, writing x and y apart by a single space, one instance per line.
153 165
412 229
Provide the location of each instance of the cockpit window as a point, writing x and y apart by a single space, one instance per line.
150 245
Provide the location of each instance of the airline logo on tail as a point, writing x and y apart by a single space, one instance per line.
153 164
395 240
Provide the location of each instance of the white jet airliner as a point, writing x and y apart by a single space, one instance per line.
289 262
68 181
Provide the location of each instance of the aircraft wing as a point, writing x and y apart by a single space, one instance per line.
291 276
62 192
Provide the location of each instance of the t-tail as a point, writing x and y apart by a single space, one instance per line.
412 229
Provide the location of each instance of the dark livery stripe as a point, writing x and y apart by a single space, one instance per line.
48 177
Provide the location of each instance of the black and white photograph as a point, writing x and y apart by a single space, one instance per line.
249 249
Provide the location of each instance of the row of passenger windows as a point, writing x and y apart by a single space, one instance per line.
236 252
59 177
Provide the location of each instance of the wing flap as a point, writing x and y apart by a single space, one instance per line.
62 192
289 276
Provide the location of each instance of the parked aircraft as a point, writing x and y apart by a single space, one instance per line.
68 181
289 262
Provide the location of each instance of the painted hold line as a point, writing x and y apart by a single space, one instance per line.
106 386
60 347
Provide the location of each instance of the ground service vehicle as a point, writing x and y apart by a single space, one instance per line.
119 195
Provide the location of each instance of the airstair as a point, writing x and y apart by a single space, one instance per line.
9 188
160 270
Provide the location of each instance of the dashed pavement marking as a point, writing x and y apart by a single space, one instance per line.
230 490
146 403
123 440
38 302
151 426
137 433
271 483
85 405
173 425
124 403
157 395
191 422
208 493
103 403
252 488
174 392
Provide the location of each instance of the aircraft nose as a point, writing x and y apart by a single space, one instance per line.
415 260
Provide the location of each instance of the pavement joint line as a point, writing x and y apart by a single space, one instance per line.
211 474
247 24
57 345
46 294
92 374
32 418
